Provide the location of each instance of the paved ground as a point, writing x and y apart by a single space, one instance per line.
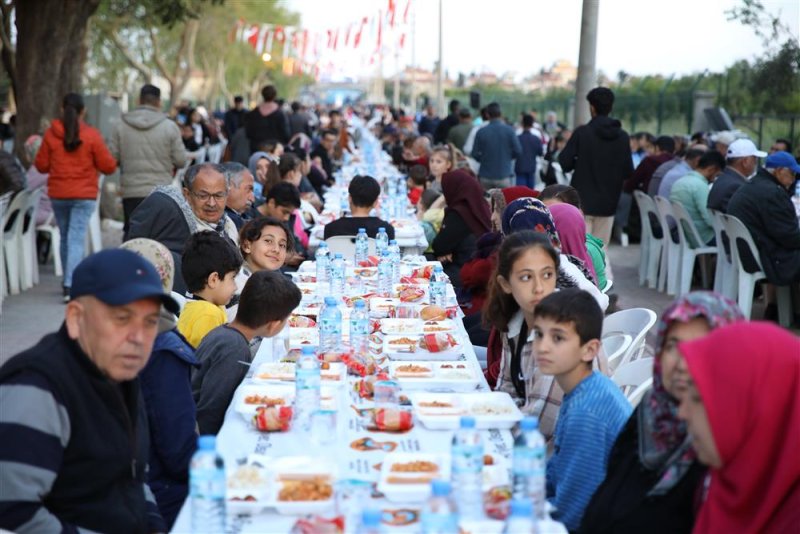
26 317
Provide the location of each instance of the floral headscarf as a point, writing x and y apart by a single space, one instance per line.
32 145
528 213
663 441
157 254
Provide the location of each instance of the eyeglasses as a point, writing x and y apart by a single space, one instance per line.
203 196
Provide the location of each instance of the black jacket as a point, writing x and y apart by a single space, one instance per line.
723 189
620 504
766 209
600 154
455 238
259 128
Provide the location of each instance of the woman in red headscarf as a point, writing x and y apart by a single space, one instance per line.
466 218
743 414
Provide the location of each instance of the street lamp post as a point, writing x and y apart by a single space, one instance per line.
586 60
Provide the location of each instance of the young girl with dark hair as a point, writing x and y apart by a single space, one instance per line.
73 153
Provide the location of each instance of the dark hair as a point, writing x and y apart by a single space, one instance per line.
289 162
191 173
527 121
484 113
364 191
576 306
269 93
296 106
268 145
493 110
150 95
301 153
428 197
329 131
251 231
454 105
267 296
205 253
602 99
238 98
500 306
284 194
694 153
464 113
418 174
564 193
73 106
665 143
711 158
786 142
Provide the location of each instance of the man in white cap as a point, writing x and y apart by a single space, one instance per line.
742 160
722 141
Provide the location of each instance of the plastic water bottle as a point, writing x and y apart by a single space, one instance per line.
330 325
207 487
796 199
385 274
362 246
520 520
344 204
323 260
528 465
307 388
440 515
370 521
394 255
359 328
337 276
467 469
381 241
438 287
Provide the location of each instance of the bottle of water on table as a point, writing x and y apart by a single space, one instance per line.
520 520
394 255
323 261
467 469
381 241
438 287
385 270
359 328
330 325
307 388
440 515
528 465
362 246
207 487
337 276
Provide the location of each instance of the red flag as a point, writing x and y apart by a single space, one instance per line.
357 38
251 35
380 31
390 12
406 11
280 35
402 42
347 34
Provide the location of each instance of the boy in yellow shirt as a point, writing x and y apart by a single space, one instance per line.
209 265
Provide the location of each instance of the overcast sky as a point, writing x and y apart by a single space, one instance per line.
640 37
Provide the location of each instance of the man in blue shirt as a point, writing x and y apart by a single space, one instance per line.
496 146
525 166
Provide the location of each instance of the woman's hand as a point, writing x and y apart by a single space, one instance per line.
447 258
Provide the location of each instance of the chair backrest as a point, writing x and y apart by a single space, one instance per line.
31 207
665 215
646 208
739 235
346 245
718 224
686 227
635 396
635 322
615 346
608 286
180 299
15 215
633 374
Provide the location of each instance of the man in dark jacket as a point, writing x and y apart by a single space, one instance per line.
742 160
267 121
496 146
599 153
73 429
234 117
443 128
765 207
525 166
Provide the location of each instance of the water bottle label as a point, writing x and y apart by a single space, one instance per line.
467 458
307 379
208 483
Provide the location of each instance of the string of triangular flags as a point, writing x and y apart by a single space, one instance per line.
303 49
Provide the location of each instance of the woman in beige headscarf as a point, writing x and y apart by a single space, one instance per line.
167 392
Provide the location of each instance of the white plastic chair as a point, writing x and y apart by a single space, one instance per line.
180 299
739 236
632 375
651 246
608 286
12 240
636 396
668 278
4 201
50 227
725 274
692 246
635 322
346 245
95 234
615 345
28 263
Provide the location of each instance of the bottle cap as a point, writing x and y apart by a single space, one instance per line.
371 517
393 241
323 245
385 253
381 230
330 301
207 443
522 508
360 304
338 256
362 230
529 423
308 349
437 268
467 421
440 488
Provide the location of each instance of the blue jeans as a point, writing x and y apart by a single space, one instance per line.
72 217
526 178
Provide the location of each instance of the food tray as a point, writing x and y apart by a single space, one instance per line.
436 377
301 468
250 480
414 352
284 371
448 418
401 326
329 397
418 486
411 293
303 337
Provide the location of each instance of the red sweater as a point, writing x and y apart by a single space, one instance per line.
73 175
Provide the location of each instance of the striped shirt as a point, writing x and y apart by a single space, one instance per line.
591 417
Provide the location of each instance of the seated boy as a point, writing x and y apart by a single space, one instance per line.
567 327
417 179
267 301
209 267
364 192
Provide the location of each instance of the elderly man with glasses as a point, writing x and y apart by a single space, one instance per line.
170 214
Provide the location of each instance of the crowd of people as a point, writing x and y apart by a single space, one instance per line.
132 376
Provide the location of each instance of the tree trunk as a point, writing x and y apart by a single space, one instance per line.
51 50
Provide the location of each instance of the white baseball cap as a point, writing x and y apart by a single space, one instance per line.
742 148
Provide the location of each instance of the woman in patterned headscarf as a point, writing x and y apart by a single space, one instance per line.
653 474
